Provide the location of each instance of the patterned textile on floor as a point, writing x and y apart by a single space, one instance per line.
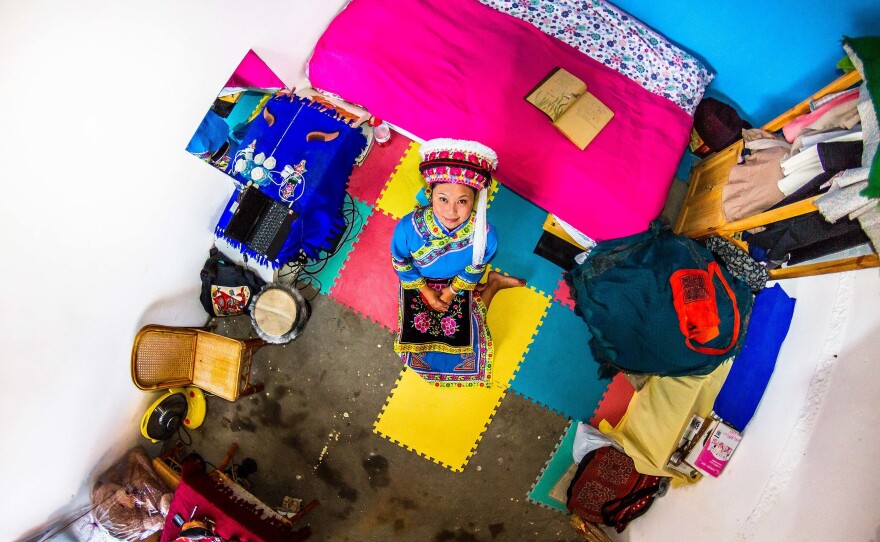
607 489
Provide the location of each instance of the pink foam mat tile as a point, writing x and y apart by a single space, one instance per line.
368 180
562 295
614 402
367 284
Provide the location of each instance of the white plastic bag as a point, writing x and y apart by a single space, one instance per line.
587 439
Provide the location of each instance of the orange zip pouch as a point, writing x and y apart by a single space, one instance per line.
693 295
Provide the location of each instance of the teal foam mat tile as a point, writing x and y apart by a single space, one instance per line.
324 274
520 225
559 462
559 371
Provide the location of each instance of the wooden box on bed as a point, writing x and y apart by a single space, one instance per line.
701 215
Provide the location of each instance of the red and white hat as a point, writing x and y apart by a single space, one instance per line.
470 163
457 161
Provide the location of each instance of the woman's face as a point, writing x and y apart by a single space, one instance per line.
452 203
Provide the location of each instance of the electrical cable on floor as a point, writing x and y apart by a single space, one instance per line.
350 214
185 432
315 283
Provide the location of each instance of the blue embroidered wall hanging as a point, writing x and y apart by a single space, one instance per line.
298 154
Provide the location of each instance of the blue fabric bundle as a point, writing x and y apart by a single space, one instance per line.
328 160
748 378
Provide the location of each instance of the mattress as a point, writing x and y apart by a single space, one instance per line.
461 69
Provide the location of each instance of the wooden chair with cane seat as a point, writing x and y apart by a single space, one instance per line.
164 357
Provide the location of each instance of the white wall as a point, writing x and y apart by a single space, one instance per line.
806 468
105 220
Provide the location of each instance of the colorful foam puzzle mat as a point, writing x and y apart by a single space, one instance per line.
443 425
533 328
446 424
367 284
398 198
614 402
520 226
368 180
562 295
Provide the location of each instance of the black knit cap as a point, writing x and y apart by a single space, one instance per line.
717 123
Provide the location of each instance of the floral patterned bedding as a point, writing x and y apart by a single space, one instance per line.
613 37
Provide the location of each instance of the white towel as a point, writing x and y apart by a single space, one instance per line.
807 158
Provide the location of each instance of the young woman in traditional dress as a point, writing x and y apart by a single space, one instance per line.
440 252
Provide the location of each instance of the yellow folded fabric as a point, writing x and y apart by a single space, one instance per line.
656 417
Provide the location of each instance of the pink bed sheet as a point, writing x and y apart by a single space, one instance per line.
457 68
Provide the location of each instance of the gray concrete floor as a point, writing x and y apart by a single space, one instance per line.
310 432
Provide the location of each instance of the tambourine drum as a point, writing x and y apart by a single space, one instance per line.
279 313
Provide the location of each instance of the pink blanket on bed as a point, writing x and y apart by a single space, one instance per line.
457 68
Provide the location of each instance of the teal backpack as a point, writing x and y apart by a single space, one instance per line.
624 291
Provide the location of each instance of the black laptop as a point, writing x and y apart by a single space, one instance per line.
260 222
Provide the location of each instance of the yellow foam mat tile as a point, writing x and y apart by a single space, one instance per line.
514 318
399 196
440 424
444 425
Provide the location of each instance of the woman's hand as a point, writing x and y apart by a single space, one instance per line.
446 295
433 298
